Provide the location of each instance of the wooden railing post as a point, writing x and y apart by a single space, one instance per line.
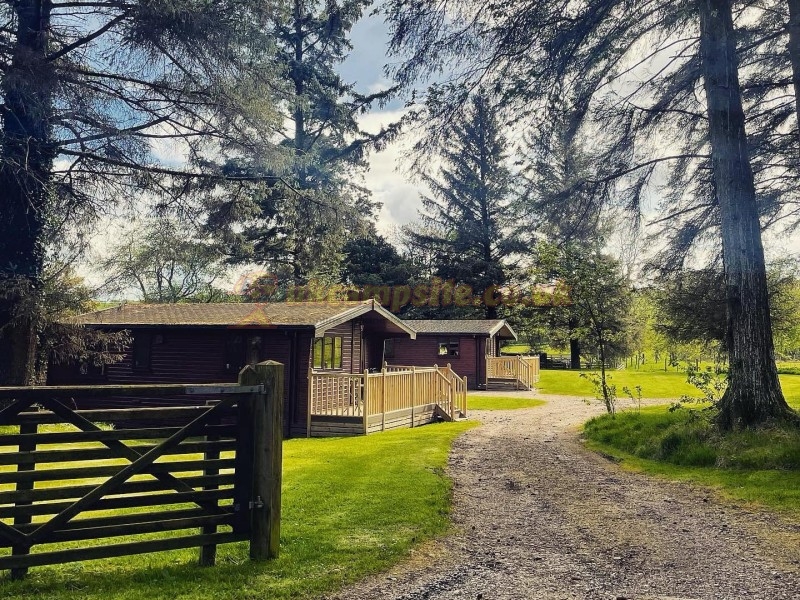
413 392
310 402
383 399
365 400
267 422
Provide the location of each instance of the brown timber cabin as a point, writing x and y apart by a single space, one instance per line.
210 343
465 344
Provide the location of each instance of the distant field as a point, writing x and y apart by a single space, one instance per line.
654 383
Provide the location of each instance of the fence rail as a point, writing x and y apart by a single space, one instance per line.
395 393
522 370
220 481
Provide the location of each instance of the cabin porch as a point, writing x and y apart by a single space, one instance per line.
396 396
512 372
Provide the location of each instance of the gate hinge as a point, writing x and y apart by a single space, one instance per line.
257 503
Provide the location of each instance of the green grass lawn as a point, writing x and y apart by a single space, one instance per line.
655 384
479 402
351 506
761 467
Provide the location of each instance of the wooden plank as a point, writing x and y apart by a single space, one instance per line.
155 526
46 392
130 487
135 518
115 415
80 473
87 454
132 501
114 550
102 435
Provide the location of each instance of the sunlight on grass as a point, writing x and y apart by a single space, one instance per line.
501 402
351 506
654 383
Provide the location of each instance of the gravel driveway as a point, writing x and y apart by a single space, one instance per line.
539 516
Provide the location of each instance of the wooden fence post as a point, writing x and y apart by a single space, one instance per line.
365 401
413 392
383 399
267 423
310 402
208 553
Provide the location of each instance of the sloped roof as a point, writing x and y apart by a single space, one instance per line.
319 315
487 327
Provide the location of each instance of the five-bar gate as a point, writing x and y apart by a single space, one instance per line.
131 481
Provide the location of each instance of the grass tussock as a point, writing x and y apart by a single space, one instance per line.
760 465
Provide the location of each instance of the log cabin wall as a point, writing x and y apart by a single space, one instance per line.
424 352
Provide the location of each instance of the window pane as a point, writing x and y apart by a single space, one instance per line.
442 348
337 353
328 353
317 353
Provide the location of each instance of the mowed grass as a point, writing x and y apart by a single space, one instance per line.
479 402
760 466
654 383
351 506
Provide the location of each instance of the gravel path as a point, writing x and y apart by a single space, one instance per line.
539 516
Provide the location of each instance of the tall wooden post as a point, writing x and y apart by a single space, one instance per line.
267 421
365 400
413 392
310 402
383 399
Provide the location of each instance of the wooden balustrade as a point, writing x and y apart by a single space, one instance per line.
345 403
522 370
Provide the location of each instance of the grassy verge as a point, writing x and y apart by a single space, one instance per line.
351 506
762 466
501 402
655 384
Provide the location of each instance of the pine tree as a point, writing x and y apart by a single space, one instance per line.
469 221
90 91
299 231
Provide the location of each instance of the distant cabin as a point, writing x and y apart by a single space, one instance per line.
465 344
210 343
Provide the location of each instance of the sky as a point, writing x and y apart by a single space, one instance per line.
387 179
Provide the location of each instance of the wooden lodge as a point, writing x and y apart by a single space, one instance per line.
333 354
471 346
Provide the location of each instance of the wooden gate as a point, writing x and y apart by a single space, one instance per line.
96 476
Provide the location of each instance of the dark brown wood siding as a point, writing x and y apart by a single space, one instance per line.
423 352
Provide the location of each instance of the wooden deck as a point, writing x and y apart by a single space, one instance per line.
359 404
519 372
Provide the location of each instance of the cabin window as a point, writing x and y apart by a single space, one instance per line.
142 351
448 347
327 353
235 357
388 349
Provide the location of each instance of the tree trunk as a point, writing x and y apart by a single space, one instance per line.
574 353
25 172
754 394
794 55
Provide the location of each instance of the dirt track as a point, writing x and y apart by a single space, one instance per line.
539 516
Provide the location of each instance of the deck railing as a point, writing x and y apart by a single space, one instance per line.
523 370
392 390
